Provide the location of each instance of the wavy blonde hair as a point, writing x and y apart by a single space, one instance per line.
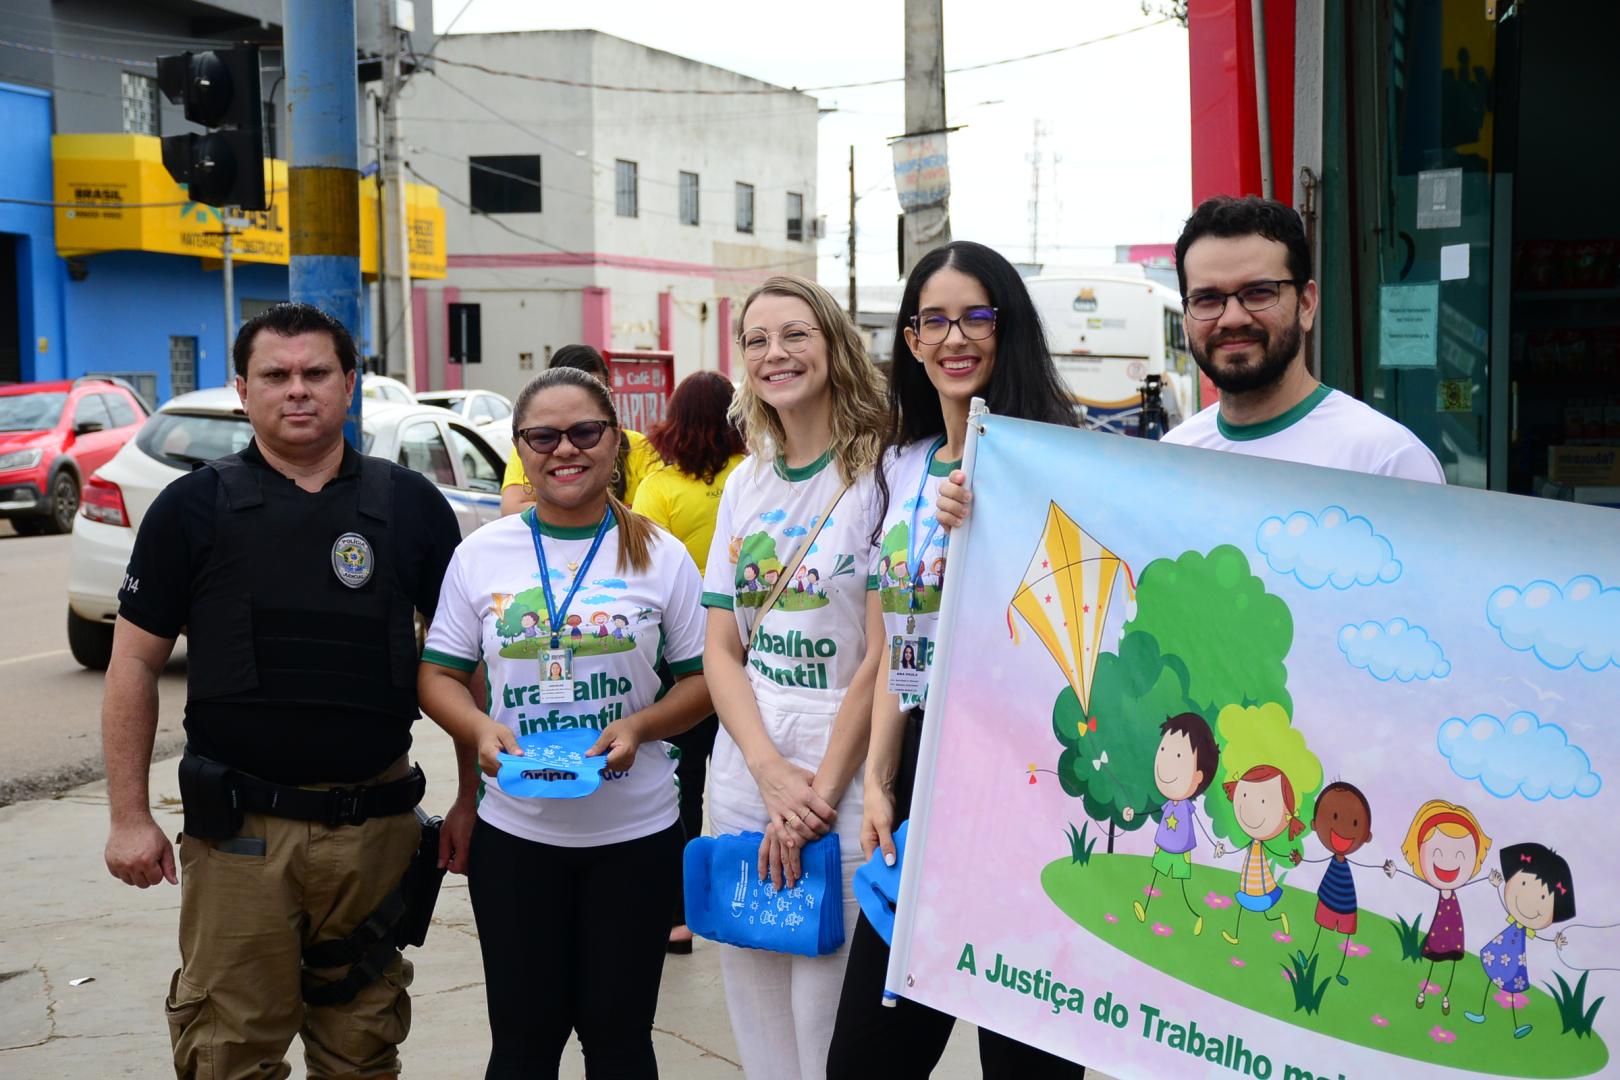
1447 818
859 401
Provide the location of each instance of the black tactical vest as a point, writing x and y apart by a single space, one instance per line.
299 603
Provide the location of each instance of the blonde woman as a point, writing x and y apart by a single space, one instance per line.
795 700
1445 847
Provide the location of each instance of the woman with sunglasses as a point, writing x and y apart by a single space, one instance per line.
789 670
966 328
571 896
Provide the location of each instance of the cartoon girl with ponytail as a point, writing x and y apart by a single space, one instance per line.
1263 801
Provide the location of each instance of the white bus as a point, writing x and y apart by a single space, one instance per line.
1110 329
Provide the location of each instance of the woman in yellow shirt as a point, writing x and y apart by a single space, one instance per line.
636 456
698 448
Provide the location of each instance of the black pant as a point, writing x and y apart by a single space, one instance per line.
571 943
692 771
907 1039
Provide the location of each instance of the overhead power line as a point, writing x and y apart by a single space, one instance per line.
76 55
696 91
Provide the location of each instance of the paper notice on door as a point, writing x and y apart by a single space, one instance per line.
1454 262
1408 325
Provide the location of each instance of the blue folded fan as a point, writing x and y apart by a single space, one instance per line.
726 901
877 886
553 765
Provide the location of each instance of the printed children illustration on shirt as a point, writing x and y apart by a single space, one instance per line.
525 631
1343 825
759 565
1263 802
621 626
899 581
599 619
1445 847
1183 768
1536 892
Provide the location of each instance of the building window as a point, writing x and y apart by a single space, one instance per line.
182 365
625 196
504 184
745 208
140 104
795 216
689 198
466 334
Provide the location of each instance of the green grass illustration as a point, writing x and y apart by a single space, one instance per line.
533 648
1263 972
1079 847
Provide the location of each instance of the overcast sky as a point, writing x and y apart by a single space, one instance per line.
1116 160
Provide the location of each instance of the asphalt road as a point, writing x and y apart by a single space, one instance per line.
50 707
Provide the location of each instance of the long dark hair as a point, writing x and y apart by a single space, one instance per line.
696 437
1024 384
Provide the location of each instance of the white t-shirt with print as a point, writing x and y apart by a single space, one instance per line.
894 560
1329 428
808 647
492 607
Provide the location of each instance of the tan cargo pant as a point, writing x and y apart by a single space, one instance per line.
235 1003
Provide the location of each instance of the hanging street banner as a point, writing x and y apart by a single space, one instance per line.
922 170
1239 767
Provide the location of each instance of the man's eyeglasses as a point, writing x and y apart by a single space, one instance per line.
582 436
976 324
794 336
1255 296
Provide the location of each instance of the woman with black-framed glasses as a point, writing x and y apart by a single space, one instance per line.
595 876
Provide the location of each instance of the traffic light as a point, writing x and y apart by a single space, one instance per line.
220 91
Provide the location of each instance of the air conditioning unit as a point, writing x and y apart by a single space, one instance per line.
818 227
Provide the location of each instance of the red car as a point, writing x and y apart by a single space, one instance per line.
53 435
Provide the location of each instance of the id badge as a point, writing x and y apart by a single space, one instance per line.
908 664
557 676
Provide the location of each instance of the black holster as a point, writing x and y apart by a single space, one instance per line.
208 798
402 919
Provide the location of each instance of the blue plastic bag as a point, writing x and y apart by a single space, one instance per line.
553 765
726 901
877 886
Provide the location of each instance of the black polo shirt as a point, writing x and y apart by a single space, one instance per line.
302 745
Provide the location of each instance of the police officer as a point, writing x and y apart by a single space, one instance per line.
294 567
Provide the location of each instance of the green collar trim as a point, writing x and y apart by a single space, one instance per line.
943 468
803 472
1280 422
565 532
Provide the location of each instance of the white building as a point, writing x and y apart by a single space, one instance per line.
579 213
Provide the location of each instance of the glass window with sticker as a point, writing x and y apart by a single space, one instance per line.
480 468
422 449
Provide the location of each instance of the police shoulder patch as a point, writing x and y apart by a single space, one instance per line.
352 560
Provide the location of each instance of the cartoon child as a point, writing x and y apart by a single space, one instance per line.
1183 768
750 577
770 578
1263 803
1537 891
939 573
798 579
531 624
1445 847
599 619
574 624
884 580
1343 824
621 624
897 571
811 581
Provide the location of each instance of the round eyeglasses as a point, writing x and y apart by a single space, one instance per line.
582 436
794 338
976 324
1255 296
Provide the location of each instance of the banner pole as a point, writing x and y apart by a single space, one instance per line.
898 978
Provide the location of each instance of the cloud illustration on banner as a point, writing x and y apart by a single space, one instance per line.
771 517
1331 548
610 583
599 598
1518 756
795 530
1393 650
1579 623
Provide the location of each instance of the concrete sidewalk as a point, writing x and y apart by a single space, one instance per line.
64 918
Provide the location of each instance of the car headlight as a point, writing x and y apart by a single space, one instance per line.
20 459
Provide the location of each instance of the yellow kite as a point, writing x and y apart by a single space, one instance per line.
1065 597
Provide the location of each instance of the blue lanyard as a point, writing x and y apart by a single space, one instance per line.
555 613
916 557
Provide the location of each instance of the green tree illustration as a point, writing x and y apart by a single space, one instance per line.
1132 693
1251 735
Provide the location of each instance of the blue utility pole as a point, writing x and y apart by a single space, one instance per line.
323 165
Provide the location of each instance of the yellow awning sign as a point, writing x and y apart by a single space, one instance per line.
140 207
1065 598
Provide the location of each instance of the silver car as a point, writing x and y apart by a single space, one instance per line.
209 424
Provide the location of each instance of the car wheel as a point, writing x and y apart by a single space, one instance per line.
89 641
64 502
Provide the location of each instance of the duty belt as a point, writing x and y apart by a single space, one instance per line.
331 806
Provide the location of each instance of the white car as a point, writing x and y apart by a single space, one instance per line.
209 424
384 388
489 412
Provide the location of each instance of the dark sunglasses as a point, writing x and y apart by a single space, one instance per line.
582 436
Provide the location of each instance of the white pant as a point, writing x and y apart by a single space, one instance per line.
783 1006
